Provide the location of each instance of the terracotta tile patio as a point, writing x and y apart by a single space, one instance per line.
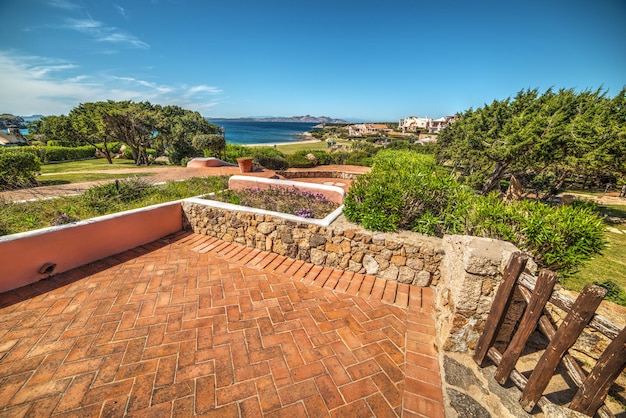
191 325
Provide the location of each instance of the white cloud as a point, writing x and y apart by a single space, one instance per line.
63 4
203 89
32 84
121 11
102 33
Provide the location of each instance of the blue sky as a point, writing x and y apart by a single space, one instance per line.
358 60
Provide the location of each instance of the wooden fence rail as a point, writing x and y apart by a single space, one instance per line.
592 388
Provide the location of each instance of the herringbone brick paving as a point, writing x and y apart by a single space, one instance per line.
191 325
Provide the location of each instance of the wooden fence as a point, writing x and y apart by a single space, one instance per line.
592 387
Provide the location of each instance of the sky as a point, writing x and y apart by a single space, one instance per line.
360 60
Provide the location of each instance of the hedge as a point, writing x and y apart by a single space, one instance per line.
17 169
51 153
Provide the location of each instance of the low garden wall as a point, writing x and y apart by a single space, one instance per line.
405 257
31 256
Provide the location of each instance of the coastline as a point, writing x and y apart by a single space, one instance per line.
271 144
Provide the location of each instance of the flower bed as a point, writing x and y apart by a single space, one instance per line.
302 203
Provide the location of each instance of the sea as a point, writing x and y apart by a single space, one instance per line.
246 132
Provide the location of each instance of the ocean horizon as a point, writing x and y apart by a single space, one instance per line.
246 132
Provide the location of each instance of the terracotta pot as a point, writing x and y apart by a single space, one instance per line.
245 164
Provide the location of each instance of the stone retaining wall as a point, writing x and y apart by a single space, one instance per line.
405 257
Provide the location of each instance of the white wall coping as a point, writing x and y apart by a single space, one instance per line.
289 183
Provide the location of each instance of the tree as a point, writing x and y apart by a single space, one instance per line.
213 143
88 121
55 128
176 129
133 124
549 140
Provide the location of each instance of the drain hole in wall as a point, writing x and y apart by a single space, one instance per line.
47 268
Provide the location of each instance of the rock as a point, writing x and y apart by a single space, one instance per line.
391 273
311 158
316 240
266 227
406 275
457 374
318 257
354 266
465 405
422 279
370 264
416 264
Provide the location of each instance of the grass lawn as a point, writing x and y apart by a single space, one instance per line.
297 146
87 165
56 179
610 265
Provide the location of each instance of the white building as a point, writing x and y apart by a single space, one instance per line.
415 123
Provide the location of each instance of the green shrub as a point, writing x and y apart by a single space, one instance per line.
233 151
102 198
58 143
69 153
39 152
128 153
271 162
299 161
323 157
267 151
404 190
113 147
17 169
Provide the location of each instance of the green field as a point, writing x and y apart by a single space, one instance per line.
88 165
67 178
288 149
610 265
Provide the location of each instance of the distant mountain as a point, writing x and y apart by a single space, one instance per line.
32 118
303 119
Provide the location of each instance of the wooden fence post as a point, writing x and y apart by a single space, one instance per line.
545 283
594 389
581 313
502 300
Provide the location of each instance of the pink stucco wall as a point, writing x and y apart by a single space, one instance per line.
70 246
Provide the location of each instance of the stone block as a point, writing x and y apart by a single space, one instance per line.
318 257
398 260
416 264
370 264
266 227
422 279
332 248
391 273
406 275
316 240
354 266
